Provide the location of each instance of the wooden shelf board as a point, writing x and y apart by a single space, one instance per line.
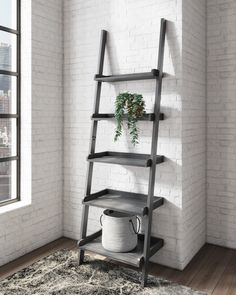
146 117
153 74
121 201
129 159
134 258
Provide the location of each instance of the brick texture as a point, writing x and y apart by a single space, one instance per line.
221 115
28 228
132 47
60 140
194 128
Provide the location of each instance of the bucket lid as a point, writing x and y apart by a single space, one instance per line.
116 214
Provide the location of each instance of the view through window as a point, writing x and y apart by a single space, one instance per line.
9 101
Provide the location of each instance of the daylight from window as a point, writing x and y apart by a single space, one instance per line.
9 101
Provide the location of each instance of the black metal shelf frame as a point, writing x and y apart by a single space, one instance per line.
16 116
124 201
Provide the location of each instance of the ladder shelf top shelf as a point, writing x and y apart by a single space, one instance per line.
134 258
153 74
131 203
129 159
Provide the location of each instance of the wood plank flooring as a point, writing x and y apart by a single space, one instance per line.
212 270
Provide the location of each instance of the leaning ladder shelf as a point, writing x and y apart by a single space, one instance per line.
127 202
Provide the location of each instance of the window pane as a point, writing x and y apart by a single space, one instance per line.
7 138
7 94
8 178
8 13
7 51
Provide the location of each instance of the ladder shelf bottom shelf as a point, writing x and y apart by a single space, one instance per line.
129 159
126 202
134 258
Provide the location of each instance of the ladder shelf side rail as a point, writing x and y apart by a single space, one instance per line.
152 172
85 208
148 245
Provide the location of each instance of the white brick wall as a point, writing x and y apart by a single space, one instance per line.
221 113
194 127
25 229
132 47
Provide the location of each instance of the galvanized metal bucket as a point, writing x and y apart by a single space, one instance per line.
119 231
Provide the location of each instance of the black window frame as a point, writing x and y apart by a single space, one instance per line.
16 116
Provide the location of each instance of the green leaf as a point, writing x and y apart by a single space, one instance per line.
134 106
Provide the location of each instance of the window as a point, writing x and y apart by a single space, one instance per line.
9 101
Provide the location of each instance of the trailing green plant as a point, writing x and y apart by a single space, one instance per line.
131 105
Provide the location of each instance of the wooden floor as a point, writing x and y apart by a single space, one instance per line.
212 270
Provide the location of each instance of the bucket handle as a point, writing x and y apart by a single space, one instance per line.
138 219
139 225
101 220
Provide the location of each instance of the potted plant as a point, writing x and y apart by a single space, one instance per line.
132 106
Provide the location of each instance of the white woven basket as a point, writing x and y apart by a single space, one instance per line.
119 231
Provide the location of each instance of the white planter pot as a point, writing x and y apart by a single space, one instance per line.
119 231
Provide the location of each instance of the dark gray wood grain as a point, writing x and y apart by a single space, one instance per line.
129 159
121 201
152 174
147 245
89 238
145 117
92 144
153 74
134 258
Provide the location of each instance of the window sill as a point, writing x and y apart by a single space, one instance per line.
14 206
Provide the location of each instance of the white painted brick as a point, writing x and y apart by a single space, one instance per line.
132 47
221 118
28 228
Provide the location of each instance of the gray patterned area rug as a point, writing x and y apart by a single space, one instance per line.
60 273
